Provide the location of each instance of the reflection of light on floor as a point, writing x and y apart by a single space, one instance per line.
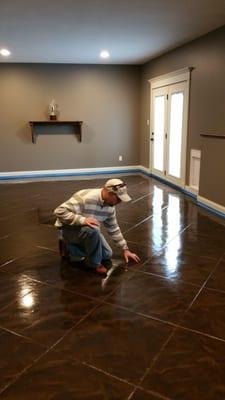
157 200
174 221
28 300
157 222
25 293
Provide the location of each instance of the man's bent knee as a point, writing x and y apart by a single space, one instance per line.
93 232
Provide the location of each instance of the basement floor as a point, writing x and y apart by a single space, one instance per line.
154 330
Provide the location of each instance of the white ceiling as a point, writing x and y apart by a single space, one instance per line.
75 31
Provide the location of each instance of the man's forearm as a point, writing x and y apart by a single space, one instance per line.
68 217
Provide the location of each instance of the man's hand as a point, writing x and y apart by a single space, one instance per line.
92 222
128 255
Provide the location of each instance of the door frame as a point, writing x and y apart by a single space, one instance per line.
178 76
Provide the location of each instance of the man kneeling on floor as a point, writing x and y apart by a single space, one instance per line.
79 219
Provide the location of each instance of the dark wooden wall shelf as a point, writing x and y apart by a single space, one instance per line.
211 135
77 125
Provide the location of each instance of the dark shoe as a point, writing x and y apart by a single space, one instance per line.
107 262
101 270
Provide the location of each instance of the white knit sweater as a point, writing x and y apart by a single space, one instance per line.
85 204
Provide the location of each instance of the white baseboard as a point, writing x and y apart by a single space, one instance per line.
33 175
210 205
192 190
145 170
25 176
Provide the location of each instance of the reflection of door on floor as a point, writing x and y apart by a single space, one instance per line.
169 110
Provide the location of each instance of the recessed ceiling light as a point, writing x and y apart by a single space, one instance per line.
104 54
5 52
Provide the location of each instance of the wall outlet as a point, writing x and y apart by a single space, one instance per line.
148 122
120 158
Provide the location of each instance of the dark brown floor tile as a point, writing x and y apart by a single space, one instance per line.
207 313
37 266
16 224
45 215
76 278
140 188
53 377
208 225
49 268
156 231
177 265
13 288
141 208
116 341
217 280
124 226
40 235
119 342
143 395
132 214
196 244
45 314
154 296
144 252
17 353
191 367
11 248
7 252
144 235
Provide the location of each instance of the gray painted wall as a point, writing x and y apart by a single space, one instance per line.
106 98
212 177
113 102
207 101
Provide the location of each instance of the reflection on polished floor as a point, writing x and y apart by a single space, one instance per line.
153 331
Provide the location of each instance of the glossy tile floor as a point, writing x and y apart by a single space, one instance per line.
151 331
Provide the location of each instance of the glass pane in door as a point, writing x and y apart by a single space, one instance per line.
159 115
175 129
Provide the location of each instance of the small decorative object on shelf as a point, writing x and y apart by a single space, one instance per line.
53 110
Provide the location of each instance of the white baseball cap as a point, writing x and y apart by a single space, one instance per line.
118 187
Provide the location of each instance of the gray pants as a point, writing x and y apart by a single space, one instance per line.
87 242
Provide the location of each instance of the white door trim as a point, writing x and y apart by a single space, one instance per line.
181 75
177 76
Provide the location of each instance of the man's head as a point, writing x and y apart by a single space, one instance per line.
114 192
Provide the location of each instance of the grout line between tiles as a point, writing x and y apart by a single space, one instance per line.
142 197
45 352
203 286
47 248
155 394
172 279
167 278
170 323
7 262
154 361
165 245
6 330
141 222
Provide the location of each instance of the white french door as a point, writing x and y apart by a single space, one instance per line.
158 131
168 134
